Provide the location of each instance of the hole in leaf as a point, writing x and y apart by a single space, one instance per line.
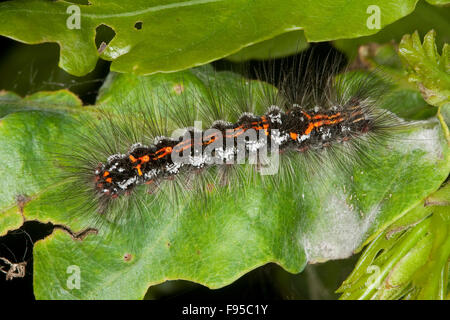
103 36
138 25
379 253
16 249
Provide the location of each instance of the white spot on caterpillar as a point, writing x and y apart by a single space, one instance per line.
220 123
160 139
151 174
173 168
316 109
125 183
273 108
226 154
275 118
136 146
278 138
326 134
245 115
199 160
117 156
274 114
303 137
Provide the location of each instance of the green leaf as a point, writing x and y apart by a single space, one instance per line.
404 99
424 18
215 242
410 259
169 36
283 45
56 105
439 2
429 70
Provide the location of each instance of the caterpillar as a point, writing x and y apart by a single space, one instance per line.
338 119
295 129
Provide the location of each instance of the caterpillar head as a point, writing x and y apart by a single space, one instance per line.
114 177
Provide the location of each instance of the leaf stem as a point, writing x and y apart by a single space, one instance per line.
444 125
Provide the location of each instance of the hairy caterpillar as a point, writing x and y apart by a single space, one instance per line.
327 174
296 129
301 117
